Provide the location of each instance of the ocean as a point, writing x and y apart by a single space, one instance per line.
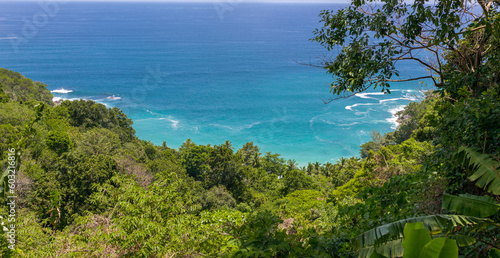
209 72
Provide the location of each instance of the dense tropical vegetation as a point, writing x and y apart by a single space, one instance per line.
87 186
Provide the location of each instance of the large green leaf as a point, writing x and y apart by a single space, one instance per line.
376 255
494 253
390 249
471 205
463 240
484 169
434 223
415 238
440 248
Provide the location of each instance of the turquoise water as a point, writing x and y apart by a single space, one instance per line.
188 71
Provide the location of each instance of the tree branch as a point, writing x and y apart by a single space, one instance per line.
411 79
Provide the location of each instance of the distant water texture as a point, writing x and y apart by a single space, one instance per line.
186 70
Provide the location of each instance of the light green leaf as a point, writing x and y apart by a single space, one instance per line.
436 224
415 238
440 248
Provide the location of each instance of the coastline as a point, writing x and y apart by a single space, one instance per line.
149 125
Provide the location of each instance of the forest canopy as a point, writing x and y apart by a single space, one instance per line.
88 187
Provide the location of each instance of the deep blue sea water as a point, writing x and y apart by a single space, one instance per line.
190 70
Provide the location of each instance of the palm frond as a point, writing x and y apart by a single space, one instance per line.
436 224
471 205
484 169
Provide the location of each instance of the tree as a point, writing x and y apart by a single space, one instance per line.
374 37
296 180
273 164
250 154
87 114
477 215
374 145
98 141
4 98
195 159
226 170
59 141
21 89
217 198
79 177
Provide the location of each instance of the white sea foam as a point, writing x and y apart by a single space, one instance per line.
358 104
393 119
62 91
8 38
113 98
405 97
222 126
322 140
175 123
362 133
391 100
239 129
251 125
366 95
328 122
349 124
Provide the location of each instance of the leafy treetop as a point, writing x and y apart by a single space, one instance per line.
374 36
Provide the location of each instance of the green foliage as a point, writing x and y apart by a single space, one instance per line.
225 170
485 170
87 114
303 206
250 154
8 137
59 142
440 248
98 141
374 145
21 89
372 38
196 160
217 198
351 188
494 253
206 234
438 225
477 118
296 180
260 237
4 98
93 189
79 177
151 152
415 120
141 215
15 114
418 243
273 164
415 239
471 205
344 170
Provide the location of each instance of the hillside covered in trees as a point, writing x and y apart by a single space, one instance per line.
86 186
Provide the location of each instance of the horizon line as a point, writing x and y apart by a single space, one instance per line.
202 1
